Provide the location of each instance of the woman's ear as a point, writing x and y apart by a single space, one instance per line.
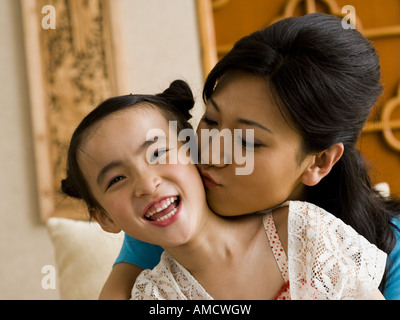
322 164
104 221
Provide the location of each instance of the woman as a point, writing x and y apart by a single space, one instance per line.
323 80
123 169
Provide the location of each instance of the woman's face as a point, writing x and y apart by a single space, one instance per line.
244 101
154 202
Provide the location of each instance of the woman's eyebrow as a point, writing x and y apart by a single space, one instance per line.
253 123
214 104
242 121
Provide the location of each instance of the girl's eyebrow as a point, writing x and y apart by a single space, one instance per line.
240 120
107 168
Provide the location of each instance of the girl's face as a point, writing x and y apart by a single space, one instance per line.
154 202
244 101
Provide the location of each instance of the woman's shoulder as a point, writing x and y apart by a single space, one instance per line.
303 214
310 209
309 215
315 222
345 264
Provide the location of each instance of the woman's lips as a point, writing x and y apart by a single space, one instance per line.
208 181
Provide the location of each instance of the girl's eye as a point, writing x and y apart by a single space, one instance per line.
115 180
158 153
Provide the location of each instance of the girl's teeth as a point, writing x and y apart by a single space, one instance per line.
169 215
165 204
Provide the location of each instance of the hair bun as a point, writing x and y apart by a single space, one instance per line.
69 190
180 96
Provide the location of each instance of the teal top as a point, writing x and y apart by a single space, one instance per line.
142 254
392 288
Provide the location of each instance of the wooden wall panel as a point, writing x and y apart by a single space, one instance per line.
71 69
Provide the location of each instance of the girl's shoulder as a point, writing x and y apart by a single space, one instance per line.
330 255
168 281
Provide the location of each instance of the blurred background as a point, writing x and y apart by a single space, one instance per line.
55 71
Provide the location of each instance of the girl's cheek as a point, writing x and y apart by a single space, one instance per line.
117 206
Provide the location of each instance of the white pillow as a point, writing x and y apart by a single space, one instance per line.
84 255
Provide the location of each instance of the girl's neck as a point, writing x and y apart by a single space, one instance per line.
217 240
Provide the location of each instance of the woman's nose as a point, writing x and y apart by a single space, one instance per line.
216 150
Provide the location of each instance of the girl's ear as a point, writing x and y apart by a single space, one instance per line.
104 221
322 164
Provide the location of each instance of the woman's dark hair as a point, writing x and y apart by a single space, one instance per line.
325 79
175 103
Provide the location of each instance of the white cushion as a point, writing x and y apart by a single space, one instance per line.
84 255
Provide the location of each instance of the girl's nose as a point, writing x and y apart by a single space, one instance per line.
146 184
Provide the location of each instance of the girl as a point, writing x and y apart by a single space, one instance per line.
120 166
304 75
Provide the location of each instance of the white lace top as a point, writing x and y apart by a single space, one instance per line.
327 259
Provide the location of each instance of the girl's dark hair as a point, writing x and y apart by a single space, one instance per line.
325 79
175 103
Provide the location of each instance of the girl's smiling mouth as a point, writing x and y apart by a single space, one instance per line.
163 211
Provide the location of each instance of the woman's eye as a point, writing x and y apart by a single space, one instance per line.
115 180
249 142
210 122
250 145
